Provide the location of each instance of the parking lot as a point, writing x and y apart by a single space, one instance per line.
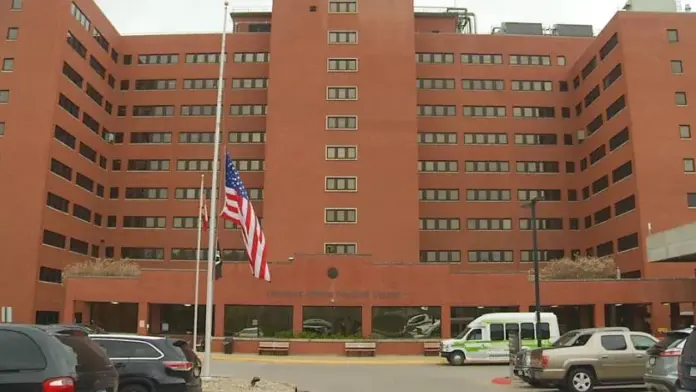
350 376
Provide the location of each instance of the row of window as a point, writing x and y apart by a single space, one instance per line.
490 111
489 84
487 59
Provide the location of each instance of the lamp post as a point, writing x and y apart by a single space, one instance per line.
535 260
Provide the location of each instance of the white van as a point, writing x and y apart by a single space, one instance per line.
486 338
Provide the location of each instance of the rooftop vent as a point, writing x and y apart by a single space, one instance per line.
651 5
567 30
516 28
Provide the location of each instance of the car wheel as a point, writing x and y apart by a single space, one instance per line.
457 358
581 380
133 388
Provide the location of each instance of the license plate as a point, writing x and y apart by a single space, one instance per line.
652 361
692 372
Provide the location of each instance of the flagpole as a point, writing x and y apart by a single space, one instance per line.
198 266
213 207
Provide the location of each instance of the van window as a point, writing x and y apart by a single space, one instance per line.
18 352
475 334
527 331
544 331
511 329
497 332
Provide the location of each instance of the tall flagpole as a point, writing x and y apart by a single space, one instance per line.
198 267
213 207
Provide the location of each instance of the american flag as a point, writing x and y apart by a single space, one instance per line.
238 210
204 217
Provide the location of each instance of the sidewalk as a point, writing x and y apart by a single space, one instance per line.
330 359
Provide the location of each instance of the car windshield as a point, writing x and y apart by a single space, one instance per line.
566 340
463 333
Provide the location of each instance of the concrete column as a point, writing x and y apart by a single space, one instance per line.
297 319
366 321
218 320
445 321
142 318
599 316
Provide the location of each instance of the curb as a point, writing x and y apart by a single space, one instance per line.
332 361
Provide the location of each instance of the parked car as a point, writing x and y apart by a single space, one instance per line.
88 329
152 363
686 365
596 356
661 368
35 358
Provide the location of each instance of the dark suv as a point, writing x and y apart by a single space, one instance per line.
686 368
37 359
152 363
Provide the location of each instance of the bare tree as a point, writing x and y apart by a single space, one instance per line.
580 268
103 268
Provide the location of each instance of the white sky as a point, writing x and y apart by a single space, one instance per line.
192 16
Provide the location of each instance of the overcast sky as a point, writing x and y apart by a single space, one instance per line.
189 16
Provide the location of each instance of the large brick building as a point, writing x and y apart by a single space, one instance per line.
396 146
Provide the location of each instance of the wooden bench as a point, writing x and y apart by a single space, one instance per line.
431 349
361 349
274 348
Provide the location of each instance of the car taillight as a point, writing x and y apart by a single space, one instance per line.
182 366
544 361
61 384
672 352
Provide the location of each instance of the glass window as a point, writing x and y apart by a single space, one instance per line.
614 342
497 332
527 331
90 357
331 322
19 352
417 322
544 331
128 349
641 342
511 329
258 320
476 334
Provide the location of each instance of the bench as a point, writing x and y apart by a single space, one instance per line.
361 349
274 348
431 348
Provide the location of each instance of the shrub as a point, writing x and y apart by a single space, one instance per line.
581 268
103 267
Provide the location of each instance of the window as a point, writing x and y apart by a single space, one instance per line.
483 84
472 58
533 112
247 137
436 110
486 224
88 152
251 57
343 6
614 342
64 102
150 137
641 342
340 249
196 137
57 203
537 167
545 194
125 85
587 70
248 110
486 138
153 111
19 353
435 84
677 66
595 124
342 123
484 111
200 84
438 194
600 184
341 184
597 154
343 37
439 224
490 256
342 65
97 67
562 86
77 46
685 131
625 205
191 193
194 165
142 253
61 169
561 60
434 58
198 110
542 223
341 153
619 139
147 193
525 59
689 165
545 139
542 255
622 172
249 164
49 275
84 182
64 137
204 58
437 138
531 85
16 5
341 93
148 165
617 106
672 35
340 215
438 166
602 215
188 254
488 194
680 98
83 213
609 46
487 166
54 239
160 59
155 84
627 242
12 33
440 256
90 122
612 76
591 96
7 65
574 223
144 222
250 83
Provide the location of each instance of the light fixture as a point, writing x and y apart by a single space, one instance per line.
187 305
479 307
618 304
554 306
114 302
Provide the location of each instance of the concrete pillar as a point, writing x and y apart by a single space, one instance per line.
142 318
218 320
366 321
297 319
445 322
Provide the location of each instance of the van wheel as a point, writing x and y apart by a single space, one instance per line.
457 358
133 388
581 380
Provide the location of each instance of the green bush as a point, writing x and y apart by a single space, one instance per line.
104 268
